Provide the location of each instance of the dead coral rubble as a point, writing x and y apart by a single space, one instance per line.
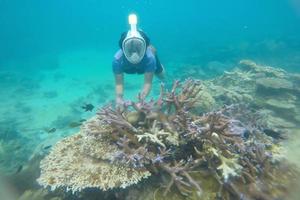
118 148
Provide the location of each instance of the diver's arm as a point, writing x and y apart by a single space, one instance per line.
119 79
148 76
153 49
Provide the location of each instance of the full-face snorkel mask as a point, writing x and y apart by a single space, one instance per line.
134 45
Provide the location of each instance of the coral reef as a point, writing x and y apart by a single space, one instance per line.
274 84
262 87
77 163
121 147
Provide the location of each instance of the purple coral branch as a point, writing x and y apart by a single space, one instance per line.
181 178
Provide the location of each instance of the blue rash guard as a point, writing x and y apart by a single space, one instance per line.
122 65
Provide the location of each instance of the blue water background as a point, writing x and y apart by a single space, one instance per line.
209 30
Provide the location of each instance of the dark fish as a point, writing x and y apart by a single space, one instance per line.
52 130
82 120
88 107
274 134
246 134
1 161
19 169
47 147
74 124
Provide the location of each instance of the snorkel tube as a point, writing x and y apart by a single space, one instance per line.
134 45
132 19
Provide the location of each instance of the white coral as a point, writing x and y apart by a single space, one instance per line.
229 167
154 135
73 166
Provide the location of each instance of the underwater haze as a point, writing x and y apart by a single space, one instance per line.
56 74
211 30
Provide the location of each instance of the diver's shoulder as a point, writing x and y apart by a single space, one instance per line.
118 55
149 53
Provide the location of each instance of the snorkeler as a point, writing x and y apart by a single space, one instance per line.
135 56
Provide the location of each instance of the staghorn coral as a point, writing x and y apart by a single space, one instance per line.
156 135
229 167
180 177
118 148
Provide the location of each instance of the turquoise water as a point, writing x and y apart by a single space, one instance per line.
189 30
55 56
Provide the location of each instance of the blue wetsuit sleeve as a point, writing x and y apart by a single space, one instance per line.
117 63
150 64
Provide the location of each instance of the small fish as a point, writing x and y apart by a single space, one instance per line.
1 161
74 124
52 130
19 169
88 107
47 147
82 120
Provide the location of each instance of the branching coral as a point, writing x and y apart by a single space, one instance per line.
118 148
181 178
229 167
153 135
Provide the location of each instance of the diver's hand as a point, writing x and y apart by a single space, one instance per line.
120 103
119 100
138 105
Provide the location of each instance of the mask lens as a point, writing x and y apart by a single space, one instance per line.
135 48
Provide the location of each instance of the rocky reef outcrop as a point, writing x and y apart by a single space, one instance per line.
272 92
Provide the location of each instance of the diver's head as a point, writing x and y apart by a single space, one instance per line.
134 49
134 45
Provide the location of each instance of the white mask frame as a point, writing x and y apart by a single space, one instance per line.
138 55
